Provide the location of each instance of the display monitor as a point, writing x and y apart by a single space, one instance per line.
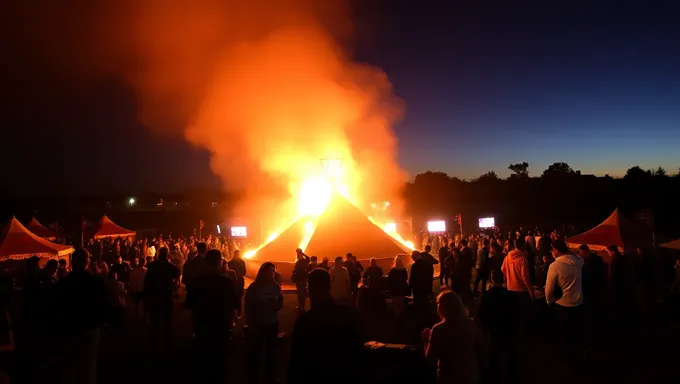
436 226
239 232
487 222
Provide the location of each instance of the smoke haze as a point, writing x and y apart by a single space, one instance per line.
267 87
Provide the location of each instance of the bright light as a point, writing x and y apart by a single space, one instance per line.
391 227
132 201
307 237
436 226
333 166
314 196
487 222
219 231
239 232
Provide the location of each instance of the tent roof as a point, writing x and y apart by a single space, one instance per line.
675 244
107 228
615 230
342 228
40 230
17 242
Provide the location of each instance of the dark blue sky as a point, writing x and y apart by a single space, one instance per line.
597 86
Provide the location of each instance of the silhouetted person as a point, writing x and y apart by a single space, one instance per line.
160 283
482 266
121 269
455 344
300 278
263 303
354 270
427 256
239 267
213 302
328 332
444 254
397 282
80 307
593 283
63 269
463 271
422 276
195 266
622 273
499 314
340 283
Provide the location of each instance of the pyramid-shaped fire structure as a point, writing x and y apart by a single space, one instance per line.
340 229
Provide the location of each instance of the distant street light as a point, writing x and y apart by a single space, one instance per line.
132 201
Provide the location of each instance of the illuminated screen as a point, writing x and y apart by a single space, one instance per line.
436 226
238 232
487 222
391 227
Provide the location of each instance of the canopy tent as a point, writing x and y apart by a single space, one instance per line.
40 230
615 230
107 228
675 244
17 242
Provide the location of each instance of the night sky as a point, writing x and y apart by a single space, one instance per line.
485 86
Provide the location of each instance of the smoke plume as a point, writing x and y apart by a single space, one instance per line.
266 86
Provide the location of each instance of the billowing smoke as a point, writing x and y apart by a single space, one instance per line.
266 86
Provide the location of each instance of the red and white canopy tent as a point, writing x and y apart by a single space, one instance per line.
107 228
675 244
17 242
40 230
615 230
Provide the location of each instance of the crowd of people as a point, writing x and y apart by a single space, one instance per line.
492 288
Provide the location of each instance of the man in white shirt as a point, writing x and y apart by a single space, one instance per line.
563 289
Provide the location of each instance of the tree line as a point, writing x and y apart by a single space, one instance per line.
561 196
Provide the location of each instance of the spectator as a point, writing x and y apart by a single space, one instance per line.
499 314
300 277
564 277
263 303
593 282
213 301
397 281
195 266
137 276
444 254
455 343
160 284
312 347
239 267
482 266
422 276
516 271
79 309
340 283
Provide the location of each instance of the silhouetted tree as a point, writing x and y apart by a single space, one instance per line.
559 170
637 173
521 170
660 172
489 176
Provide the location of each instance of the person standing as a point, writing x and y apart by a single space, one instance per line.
239 267
340 283
312 346
563 289
482 266
455 343
195 266
263 303
516 271
444 254
213 302
160 284
397 281
422 276
300 278
137 276
79 308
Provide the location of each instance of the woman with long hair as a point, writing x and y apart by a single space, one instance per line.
262 305
455 344
397 282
